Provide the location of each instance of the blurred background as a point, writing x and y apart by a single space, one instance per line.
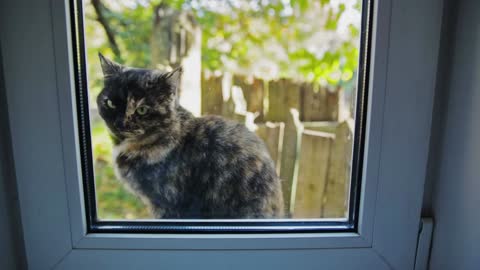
287 69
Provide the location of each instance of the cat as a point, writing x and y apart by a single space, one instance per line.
183 166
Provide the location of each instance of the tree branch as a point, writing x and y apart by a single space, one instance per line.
100 9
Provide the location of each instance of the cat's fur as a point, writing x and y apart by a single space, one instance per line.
179 165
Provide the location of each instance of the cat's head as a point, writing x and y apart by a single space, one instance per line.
134 102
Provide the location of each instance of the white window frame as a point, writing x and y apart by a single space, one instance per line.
37 59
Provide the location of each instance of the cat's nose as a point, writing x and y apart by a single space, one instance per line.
128 121
129 115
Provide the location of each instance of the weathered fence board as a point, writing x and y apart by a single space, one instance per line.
338 181
212 97
333 99
313 104
282 95
319 104
291 140
320 153
313 167
272 134
253 93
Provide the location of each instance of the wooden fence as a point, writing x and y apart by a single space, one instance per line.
314 162
272 99
300 126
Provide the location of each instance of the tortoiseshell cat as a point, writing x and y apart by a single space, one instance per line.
179 165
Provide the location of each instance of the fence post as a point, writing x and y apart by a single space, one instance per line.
290 149
338 180
272 134
319 104
311 174
212 98
283 95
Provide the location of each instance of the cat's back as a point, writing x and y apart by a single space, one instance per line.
234 170
216 135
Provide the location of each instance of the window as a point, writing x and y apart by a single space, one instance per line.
41 87
292 73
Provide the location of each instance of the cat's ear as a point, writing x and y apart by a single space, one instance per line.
174 76
108 66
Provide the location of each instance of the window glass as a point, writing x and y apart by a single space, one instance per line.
221 110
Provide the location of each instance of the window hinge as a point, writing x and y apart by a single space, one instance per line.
423 243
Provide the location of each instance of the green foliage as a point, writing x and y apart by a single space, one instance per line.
238 34
284 26
334 67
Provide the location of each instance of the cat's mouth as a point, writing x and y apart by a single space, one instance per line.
133 133
126 133
128 130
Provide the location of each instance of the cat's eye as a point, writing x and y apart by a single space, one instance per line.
110 104
142 110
